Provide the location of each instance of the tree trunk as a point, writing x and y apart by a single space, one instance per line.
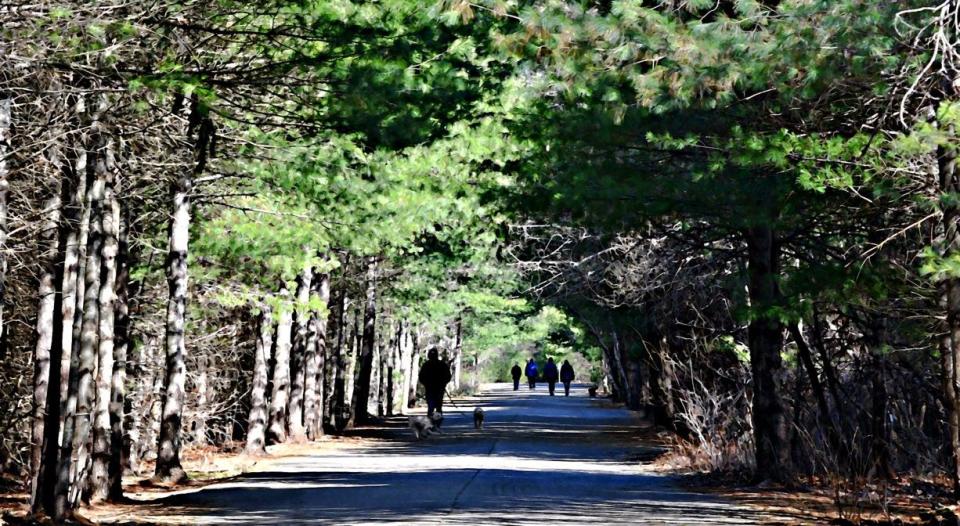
765 336
118 460
403 336
314 384
660 375
392 363
415 352
880 452
806 358
365 359
950 185
89 336
77 229
338 403
168 466
133 407
277 430
256 429
298 360
376 380
73 187
44 353
621 363
202 412
109 219
458 354
616 365
353 370
6 118
951 402
74 291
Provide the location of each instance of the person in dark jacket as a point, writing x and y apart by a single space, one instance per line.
516 373
531 373
566 376
551 375
434 375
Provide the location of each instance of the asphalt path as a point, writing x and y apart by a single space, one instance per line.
538 460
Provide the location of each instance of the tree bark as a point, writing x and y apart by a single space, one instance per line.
106 303
314 384
365 359
458 354
298 357
356 335
277 429
393 361
376 381
44 352
6 118
256 429
765 336
949 179
406 348
75 255
202 411
121 349
168 466
89 333
77 229
338 402
415 353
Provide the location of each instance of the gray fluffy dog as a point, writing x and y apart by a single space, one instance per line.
424 426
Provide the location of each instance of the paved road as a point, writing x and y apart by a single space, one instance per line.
539 460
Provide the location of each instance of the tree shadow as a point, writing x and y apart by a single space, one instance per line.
453 496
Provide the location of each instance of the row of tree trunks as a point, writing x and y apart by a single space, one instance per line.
270 418
73 433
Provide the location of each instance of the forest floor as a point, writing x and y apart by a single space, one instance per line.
538 459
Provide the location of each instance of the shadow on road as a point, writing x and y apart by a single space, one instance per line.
538 459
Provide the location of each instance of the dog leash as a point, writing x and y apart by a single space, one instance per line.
451 399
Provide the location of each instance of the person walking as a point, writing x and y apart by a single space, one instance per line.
434 375
531 373
516 372
551 375
566 376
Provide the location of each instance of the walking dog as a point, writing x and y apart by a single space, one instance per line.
478 418
424 426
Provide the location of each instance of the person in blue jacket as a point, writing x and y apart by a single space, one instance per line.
532 373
